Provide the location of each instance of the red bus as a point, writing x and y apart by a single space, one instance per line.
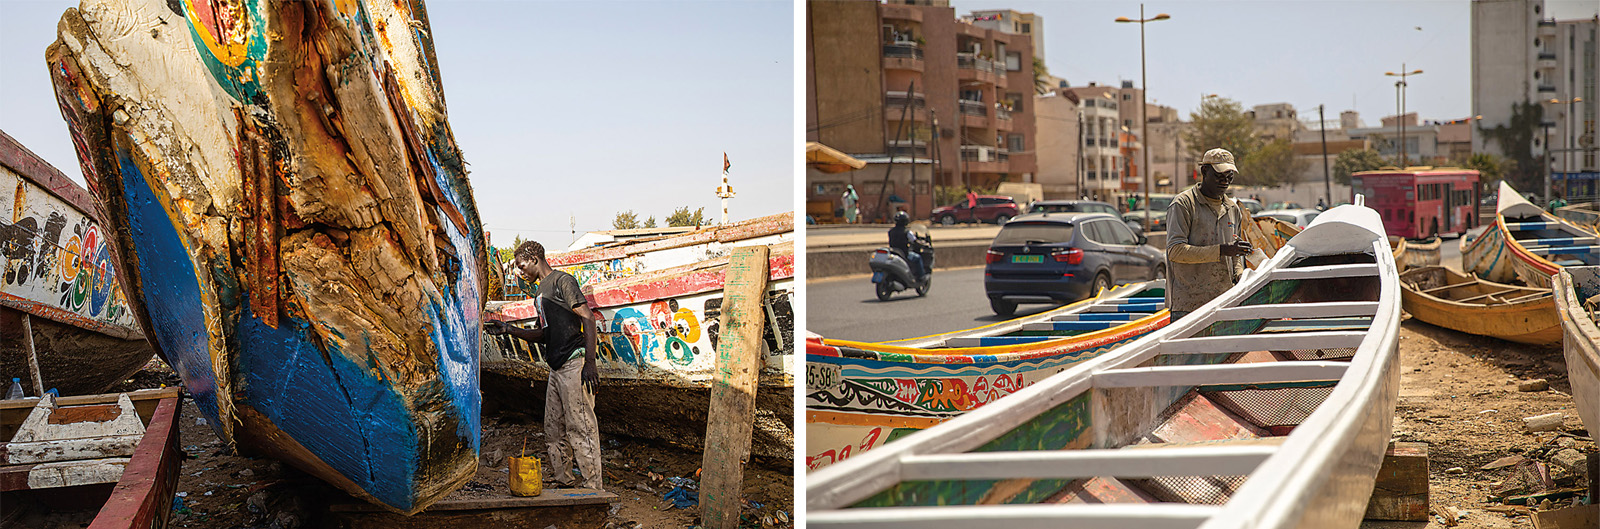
1419 202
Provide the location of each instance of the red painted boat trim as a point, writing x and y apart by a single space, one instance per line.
143 497
41 173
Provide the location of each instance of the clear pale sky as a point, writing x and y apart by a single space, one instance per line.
1301 52
563 109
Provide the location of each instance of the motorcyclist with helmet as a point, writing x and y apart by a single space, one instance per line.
902 239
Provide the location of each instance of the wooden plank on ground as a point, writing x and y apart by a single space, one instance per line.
556 507
1580 517
733 391
1401 491
33 356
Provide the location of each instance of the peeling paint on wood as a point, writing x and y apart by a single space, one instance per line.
295 226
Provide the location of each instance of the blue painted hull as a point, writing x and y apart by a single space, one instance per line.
335 343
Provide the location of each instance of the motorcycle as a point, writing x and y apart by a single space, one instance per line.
891 271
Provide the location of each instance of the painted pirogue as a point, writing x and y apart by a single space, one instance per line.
860 396
659 301
1526 243
58 272
294 226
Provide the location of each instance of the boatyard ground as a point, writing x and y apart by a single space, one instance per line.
223 490
1459 393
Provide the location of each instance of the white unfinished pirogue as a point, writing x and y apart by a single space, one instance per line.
1269 407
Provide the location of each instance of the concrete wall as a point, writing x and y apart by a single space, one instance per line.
1503 59
845 74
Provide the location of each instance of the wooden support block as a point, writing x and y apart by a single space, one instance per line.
556 507
733 390
1401 491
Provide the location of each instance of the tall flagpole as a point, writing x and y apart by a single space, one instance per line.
726 191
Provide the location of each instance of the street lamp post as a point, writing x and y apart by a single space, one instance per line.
1566 146
1400 101
1144 81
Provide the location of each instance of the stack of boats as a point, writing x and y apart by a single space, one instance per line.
291 220
659 301
1268 407
1525 244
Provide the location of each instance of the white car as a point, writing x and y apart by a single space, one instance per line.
1300 218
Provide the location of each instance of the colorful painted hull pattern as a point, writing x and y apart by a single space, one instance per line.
295 220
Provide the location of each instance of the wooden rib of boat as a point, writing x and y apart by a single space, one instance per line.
1442 297
660 302
58 271
1269 407
110 460
862 395
294 226
1577 293
1526 243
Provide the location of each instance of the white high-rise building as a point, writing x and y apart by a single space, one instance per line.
1520 54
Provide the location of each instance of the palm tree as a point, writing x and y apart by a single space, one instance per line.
1041 77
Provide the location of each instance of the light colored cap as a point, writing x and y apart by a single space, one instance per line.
1220 160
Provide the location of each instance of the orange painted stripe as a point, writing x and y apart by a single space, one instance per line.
868 419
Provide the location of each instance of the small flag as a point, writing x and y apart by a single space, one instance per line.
725 164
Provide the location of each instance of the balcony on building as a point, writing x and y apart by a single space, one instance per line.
970 67
900 12
915 148
1547 60
1547 88
894 106
983 159
903 55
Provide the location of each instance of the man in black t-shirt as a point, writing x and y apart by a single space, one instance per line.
566 329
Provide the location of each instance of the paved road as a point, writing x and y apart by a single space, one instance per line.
846 308
1450 253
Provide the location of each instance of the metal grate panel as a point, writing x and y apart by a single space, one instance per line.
1272 407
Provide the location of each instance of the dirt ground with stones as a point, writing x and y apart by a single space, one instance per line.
1459 393
224 490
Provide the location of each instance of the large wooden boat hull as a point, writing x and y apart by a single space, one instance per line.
1537 243
59 272
1575 286
1440 296
660 304
1231 417
862 395
293 224
140 498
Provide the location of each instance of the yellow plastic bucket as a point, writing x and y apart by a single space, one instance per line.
525 476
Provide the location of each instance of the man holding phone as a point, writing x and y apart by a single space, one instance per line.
567 332
1205 237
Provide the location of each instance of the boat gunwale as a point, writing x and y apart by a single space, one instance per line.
1076 307
1264 496
1005 353
1577 321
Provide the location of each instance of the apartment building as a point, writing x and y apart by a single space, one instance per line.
947 102
1520 54
1058 115
1012 22
1275 120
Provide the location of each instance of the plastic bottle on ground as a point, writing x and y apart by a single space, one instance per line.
16 389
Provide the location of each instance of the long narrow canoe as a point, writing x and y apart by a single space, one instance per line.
1526 243
862 395
1577 293
1269 407
122 481
1442 297
660 303
59 272
293 223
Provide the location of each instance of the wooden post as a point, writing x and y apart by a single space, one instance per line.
33 358
733 391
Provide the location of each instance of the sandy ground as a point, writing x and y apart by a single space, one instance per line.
224 490
1459 394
